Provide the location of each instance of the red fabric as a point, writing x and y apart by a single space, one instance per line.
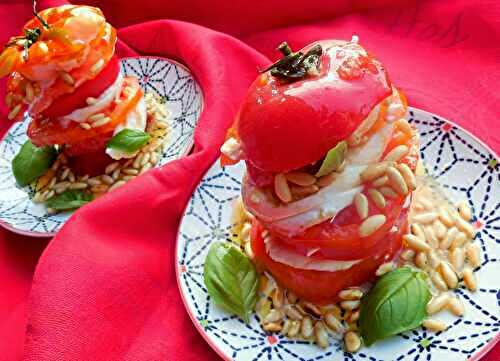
104 287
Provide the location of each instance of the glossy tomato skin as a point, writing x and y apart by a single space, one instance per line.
285 126
94 87
321 286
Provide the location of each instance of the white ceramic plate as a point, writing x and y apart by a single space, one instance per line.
465 168
169 79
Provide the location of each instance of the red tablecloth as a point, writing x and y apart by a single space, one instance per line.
105 288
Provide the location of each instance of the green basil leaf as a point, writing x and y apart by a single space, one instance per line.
231 279
333 159
128 140
70 199
31 162
396 303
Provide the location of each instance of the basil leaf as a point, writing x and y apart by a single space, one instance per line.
333 159
31 162
396 303
128 140
70 199
231 279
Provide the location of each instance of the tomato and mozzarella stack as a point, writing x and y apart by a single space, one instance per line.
63 72
330 167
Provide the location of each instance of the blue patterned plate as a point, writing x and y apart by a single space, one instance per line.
467 170
167 78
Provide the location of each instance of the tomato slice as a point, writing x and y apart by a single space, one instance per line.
93 163
43 131
90 88
323 286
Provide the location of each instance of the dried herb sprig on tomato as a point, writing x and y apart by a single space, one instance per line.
295 65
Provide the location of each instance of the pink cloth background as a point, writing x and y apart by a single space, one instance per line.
104 288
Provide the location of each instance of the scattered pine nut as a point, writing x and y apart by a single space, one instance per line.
470 279
306 328
377 198
396 153
14 112
301 178
361 204
385 268
455 306
380 181
425 218
373 171
434 325
351 294
408 176
281 188
352 341
371 224
473 254
388 192
464 211
449 276
438 303
321 334
416 243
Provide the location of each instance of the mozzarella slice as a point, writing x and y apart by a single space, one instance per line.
278 253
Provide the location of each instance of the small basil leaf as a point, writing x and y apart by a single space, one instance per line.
333 159
70 199
396 303
31 162
128 140
231 279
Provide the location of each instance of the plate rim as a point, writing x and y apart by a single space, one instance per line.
475 357
189 147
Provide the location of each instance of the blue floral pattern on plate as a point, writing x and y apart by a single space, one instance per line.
167 78
464 167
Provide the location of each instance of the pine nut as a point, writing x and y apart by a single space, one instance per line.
101 122
130 171
245 231
449 276
408 255
444 216
78 185
396 153
397 181
353 317
312 309
351 294
377 198
361 204
403 125
464 226
430 237
459 240
425 218
385 268
278 297
294 329
91 101
426 203
96 117
333 322
94 182
455 306
408 176
286 327
85 126
304 191
116 174
470 279
473 254
128 177
418 231
97 66
110 168
116 185
438 281
67 78
281 188
154 158
373 171
434 325
388 192
464 211
145 159
49 194
306 328
71 177
293 314
272 327
380 181
433 259
416 243
321 334
249 250
352 341
107 179
371 224
457 259
326 180
273 316
14 112
448 240
438 303
350 305
439 229
421 260
300 178
65 174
